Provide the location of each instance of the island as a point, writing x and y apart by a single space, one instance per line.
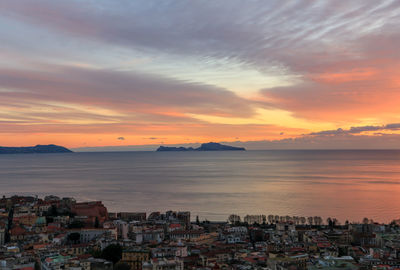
211 146
40 149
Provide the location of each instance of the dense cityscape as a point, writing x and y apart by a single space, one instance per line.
60 233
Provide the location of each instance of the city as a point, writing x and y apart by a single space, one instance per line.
60 233
199 135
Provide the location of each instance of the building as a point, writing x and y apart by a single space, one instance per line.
132 216
363 235
154 216
163 264
345 262
184 217
88 235
135 257
92 211
282 262
185 234
122 229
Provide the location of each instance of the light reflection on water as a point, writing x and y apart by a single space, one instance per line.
343 184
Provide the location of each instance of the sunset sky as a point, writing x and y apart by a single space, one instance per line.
290 74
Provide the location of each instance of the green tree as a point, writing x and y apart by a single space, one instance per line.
52 212
96 253
112 253
122 266
76 224
96 223
74 237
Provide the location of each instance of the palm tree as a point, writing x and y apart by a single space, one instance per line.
318 220
303 220
271 219
276 218
310 220
335 222
371 221
329 221
315 219
296 220
234 218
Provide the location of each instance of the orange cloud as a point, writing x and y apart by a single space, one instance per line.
349 76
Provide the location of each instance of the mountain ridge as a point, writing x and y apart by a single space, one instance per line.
37 149
211 146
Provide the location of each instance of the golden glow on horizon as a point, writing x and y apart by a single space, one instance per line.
274 117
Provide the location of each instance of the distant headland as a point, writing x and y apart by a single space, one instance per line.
211 146
51 148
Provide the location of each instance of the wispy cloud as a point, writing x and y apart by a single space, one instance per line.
356 130
167 69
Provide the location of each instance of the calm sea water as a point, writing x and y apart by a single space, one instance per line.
342 184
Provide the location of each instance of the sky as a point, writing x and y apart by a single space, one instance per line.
264 74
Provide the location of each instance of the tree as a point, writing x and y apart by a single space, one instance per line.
74 237
310 220
332 222
49 219
394 224
37 265
96 253
96 223
296 220
112 253
53 212
234 218
271 219
76 224
365 220
329 222
371 221
276 219
316 220
335 222
303 220
122 266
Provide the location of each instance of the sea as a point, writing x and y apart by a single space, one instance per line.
345 184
